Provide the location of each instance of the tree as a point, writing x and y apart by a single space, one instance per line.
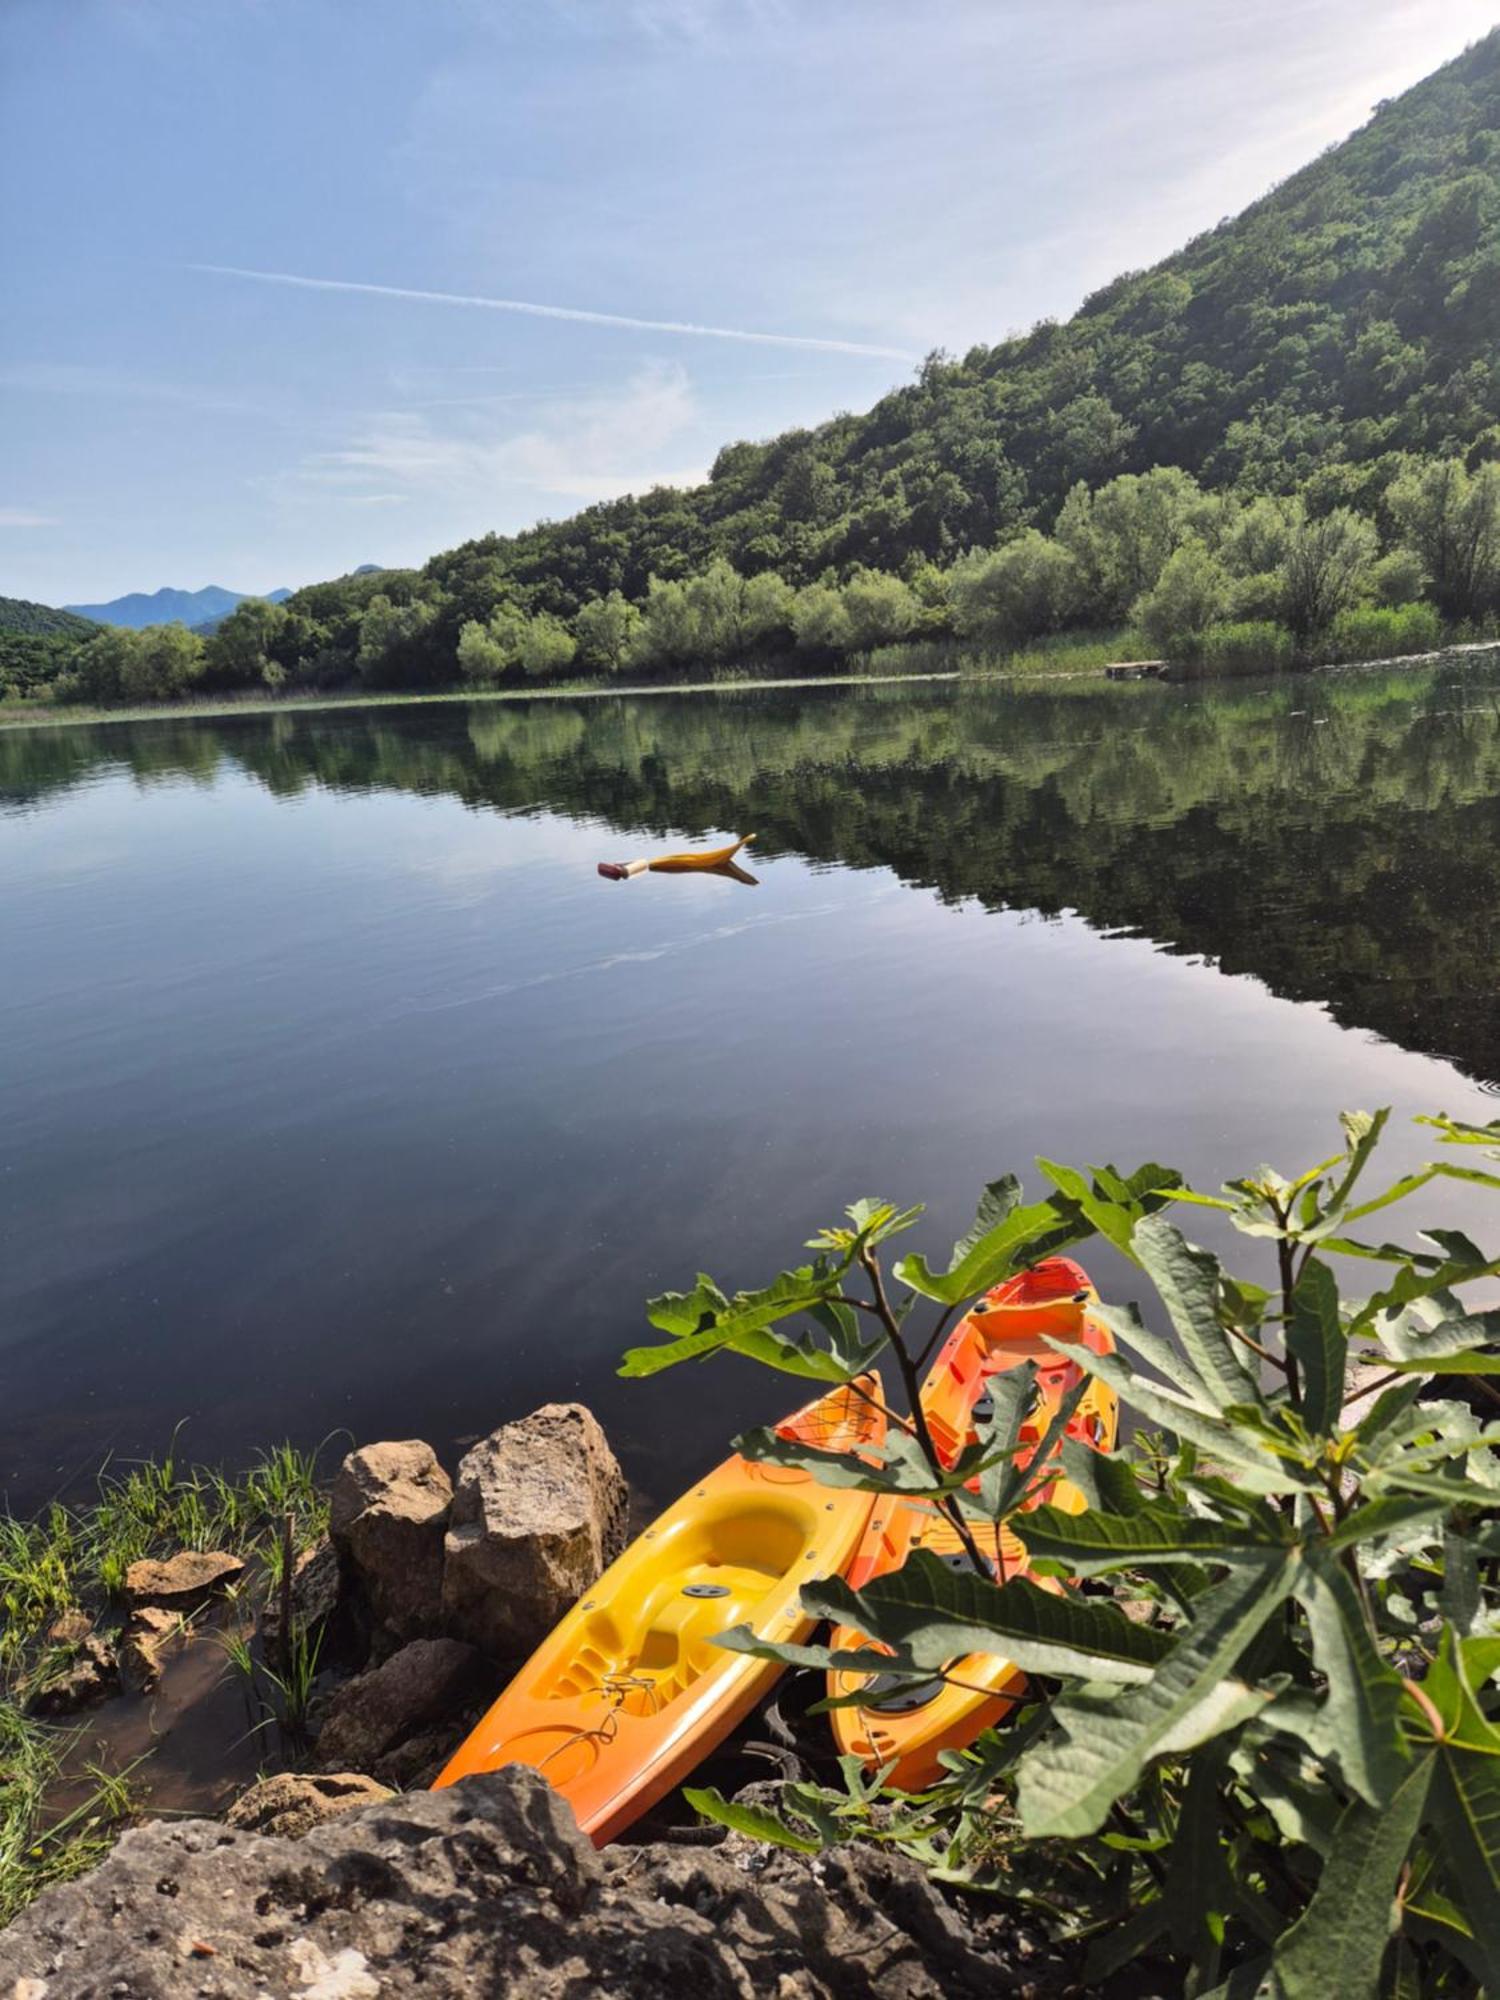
391 651
1014 593
878 609
1451 519
1122 535
240 651
604 628
1326 569
1191 594
547 646
819 618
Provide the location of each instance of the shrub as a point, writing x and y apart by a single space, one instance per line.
1248 646
1012 594
1261 1754
1191 594
1374 632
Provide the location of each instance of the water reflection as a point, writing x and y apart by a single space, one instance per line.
339 1091
1335 836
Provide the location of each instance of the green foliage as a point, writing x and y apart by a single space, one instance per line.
1450 518
1190 596
1246 646
1280 1773
1384 632
1015 593
605 629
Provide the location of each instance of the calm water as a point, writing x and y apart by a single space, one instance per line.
337 1091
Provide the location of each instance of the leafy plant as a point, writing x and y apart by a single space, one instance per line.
1280 1774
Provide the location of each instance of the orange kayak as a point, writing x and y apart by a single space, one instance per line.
629 1692
908 1726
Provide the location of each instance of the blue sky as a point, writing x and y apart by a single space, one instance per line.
865 179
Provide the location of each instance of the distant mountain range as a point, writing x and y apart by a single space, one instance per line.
201 609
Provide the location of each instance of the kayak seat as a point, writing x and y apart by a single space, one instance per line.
711 1572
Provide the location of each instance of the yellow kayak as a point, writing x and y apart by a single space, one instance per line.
629 1693
700 861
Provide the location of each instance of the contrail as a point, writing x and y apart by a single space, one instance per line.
560 312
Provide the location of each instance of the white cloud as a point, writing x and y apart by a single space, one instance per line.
23 517
580 450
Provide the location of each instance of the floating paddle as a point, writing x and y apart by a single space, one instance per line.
702 863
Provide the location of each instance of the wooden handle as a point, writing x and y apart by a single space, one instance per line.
621 871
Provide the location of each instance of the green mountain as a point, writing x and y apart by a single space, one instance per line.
36 643
1352 313
1281 443
37 620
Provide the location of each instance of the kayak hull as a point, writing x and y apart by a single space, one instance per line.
1008 1328
629 1692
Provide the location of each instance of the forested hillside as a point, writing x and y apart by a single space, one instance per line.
1281 443
36 643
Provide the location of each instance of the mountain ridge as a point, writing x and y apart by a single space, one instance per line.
198 609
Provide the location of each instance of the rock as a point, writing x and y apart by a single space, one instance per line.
540 1510
294 1802
389 1508
181 1580
316 1583
489 1888
70 1628
430 1683
86 1673
143 1642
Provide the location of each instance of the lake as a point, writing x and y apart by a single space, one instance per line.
340 1096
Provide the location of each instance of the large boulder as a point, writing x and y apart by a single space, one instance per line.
294 1802
488 1888
430 1687
540 1509
387 1513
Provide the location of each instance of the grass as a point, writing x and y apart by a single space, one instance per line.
36 1848
75 1558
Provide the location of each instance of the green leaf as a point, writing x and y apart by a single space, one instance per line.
1316 1340
1228 1443
1068 1784
1364 1696
1477 1361
1003 1239
935 1614
1093 1543
753 1820
821 1659
705 1320
1188 1280
1199 1885
1335 1948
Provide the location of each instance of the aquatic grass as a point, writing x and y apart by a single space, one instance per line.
35 1851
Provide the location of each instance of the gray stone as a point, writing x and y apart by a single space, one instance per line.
294 1802
541 1508
430 1684
388 1510
488 1889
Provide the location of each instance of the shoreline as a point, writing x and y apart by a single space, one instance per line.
211 710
